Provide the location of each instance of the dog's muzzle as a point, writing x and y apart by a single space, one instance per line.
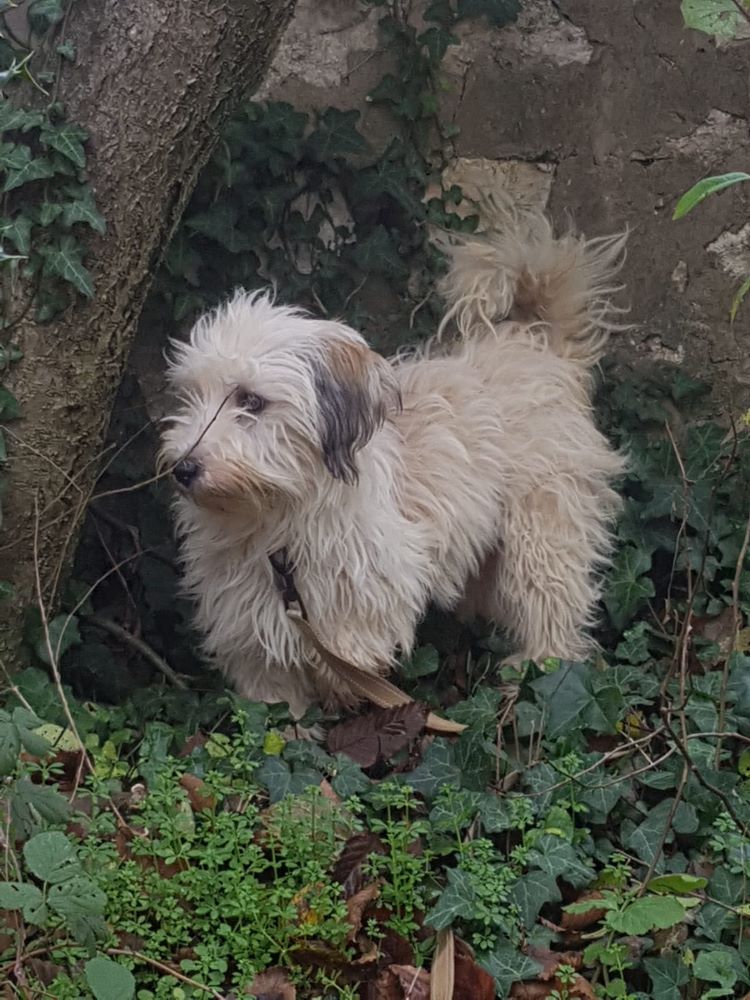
186 472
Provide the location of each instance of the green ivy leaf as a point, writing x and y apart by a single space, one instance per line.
648 914
423 662
377 253
13 156
12 118
275 775
83 210
219 223
48 211
348 778
437 769
32 170
568 699
336 135
68 140
63 633
109 980
9 408
560 859
713 17
454 811
480 711
497 12
44 13
458 899
18 232
51 857
667 976
495 813
628 587
532 891
64 259
67 50
507 965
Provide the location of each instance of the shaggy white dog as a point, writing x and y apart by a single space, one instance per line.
470 475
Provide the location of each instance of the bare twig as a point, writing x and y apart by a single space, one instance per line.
106 625
736 623
667 828
169 970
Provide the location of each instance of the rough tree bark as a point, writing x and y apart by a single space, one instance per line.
152 85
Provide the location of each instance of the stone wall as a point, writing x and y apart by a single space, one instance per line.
605 109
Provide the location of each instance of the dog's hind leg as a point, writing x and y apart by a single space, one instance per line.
540 583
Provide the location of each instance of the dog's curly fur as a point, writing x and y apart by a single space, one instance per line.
469 474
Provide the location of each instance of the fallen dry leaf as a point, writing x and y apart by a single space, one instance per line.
579 989
273 984
379 734
414 983
551 961
199 797
471 981
443 971
356 906
198 739
327 791
580 921
348 869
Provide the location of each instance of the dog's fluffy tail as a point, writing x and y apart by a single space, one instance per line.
517 270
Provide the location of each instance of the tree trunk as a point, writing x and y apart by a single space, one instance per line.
153 84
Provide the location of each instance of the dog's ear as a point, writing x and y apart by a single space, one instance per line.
356 389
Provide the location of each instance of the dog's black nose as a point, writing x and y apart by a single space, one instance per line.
186 471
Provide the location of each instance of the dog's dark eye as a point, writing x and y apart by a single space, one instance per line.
250 402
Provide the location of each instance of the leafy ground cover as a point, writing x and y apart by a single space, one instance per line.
585 836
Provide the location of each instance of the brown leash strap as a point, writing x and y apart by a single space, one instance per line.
366 685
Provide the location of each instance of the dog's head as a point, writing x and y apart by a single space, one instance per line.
271 403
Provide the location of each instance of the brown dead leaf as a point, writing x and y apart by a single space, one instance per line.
199 797
327 791
551 961
356 851
414 983
579 989
273 984
45 972
356 906
471 981
194 742
580 921
379 734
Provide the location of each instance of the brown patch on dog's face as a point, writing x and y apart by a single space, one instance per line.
355 390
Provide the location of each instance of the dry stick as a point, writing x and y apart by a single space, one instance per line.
138 644
742 9
736 622
723 798
53 654
667 827
168 969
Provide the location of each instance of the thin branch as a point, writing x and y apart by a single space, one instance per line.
169 970
106 625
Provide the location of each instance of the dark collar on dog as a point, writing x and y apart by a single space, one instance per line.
283 575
